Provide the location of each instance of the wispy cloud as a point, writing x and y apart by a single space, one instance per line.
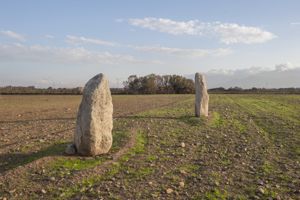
80 40
255 70
190 53
295 23
13 35
191 27
228 33
234 33
46 54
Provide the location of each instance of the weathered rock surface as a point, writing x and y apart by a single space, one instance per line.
93 135
202 98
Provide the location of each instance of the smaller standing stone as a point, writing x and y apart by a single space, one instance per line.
202 98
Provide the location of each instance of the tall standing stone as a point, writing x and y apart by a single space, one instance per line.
93 135
202 98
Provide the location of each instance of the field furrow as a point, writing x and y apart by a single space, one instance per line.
248 148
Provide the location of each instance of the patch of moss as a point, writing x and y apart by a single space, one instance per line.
140 172
267 167
78 164
119 139
193 121
216 194
238 126
216 120
269 193
151 158
190 169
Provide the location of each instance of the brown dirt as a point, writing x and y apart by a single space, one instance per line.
248 148
31 124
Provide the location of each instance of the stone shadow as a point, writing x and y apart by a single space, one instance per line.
10 161
35 120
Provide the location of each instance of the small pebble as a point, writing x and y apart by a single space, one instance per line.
181 184
260 182
261 190
169 191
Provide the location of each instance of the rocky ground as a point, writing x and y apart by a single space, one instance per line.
248 148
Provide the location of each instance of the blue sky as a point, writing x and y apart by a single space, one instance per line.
64 43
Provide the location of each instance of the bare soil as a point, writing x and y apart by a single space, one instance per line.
248 148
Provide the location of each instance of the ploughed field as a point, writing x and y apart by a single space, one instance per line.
248 148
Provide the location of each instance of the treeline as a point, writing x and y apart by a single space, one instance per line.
150 84
156 84
254 90
33 90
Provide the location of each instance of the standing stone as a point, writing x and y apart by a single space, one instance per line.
93 135
202 98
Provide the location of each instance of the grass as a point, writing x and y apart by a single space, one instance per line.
267 167
189 168
139 147
77 164
112 170
69 164
216 194
139 173
216 120
151 158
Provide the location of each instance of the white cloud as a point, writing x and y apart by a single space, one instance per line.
245 71
228 33
280 76
192 53
13 35
285 66
168 26
46 54
83 40
234 33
